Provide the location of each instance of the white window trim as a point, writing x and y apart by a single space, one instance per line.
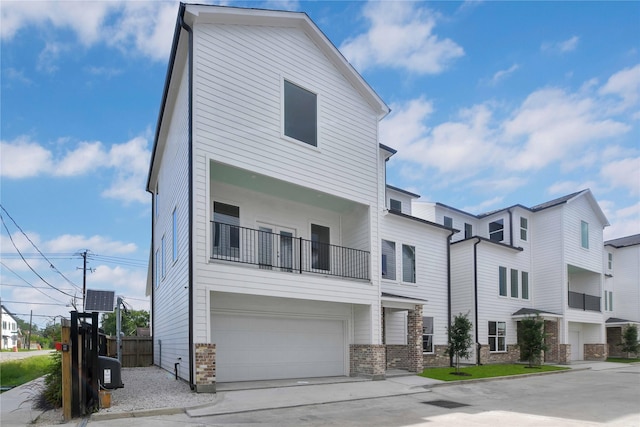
395 255
316 147
415 264
506 347
433 346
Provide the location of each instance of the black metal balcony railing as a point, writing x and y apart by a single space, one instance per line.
584 301
285 252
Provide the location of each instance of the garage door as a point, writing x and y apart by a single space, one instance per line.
263 348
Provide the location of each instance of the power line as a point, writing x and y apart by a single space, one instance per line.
34 245
30 285
35 303
25 261
21 278
130 262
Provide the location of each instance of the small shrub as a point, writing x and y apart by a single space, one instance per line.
52 392
629 342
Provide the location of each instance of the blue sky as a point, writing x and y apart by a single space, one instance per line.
493 104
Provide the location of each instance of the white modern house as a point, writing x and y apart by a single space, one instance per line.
621 289
10 331
271 213
516 262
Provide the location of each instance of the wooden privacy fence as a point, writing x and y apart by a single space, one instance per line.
136 351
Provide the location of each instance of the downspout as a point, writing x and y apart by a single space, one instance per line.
510 226
475 297
449 292
189 30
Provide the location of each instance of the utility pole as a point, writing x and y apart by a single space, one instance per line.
119 329
30 327
84 278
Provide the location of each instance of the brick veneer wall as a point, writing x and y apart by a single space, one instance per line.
367 360
205 368
512 355
564 353
595 352
397 356
614 337
551 340
439 357
414 339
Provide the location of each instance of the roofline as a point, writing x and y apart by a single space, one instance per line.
408 193
387 148
484 239
633 243
423 221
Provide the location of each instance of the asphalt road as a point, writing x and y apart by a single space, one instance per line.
608 397
10 355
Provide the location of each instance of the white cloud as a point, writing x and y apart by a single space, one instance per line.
624 222
401 35
563 188
11 74
562 46
129 161
623 173
502 74
625 84
484 206
99 244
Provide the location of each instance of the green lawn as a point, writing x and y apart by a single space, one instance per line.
485 371
16 372
622 360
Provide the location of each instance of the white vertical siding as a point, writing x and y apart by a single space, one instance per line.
626 283
170 308
395 327
549 271
576 211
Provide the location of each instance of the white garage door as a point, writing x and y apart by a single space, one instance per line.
263 348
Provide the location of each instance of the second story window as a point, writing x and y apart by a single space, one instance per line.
395 205
448 222
300 114
610 261
584 234
496 230
388 260
524 228
408 264
502 281
468 231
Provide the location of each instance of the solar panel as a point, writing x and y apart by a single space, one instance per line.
100 301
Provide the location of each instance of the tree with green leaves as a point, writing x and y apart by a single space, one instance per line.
131 320
629 342
531 340
460 339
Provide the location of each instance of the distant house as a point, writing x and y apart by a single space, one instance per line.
10 330
622 289
278 250
518 261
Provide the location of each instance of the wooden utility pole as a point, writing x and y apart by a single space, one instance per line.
30 327
66 368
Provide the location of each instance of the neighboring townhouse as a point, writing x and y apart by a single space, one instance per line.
270 212
621 289
517 262
10 331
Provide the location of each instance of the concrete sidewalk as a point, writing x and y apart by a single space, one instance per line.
16 407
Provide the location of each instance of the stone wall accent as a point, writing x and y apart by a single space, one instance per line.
512 355
595 352
564 353
367 360
551 340
414 339
205 368
397 356
439 357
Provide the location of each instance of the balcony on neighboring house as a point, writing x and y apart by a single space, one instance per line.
285 252
584 301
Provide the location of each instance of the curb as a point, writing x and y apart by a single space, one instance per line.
136 414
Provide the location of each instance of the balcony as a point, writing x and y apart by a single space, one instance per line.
284 252
584 301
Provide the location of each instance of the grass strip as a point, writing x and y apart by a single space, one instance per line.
485 371
17 372
622 360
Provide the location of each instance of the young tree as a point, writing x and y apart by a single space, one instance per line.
629 342
460 339
131 319
531 338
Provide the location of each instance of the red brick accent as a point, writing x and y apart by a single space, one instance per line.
414 340
367 360
595 352
512 355
439 357
552 354
205 367
564 353
397 356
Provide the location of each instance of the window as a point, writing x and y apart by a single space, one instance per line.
226 230
503 281
174 238
584 234
427 334
163 270
395 205
514 283
157 267
468 230
408 264
388 260
525 285
496 230
157 199
524 228
300 114
610 260
320 248
610 300
448 222
497 336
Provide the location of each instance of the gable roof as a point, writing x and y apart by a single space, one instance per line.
623 242
400 190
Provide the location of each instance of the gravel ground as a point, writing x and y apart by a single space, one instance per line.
144 389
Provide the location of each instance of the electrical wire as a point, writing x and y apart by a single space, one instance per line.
24 280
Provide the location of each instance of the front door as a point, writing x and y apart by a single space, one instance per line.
275 247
